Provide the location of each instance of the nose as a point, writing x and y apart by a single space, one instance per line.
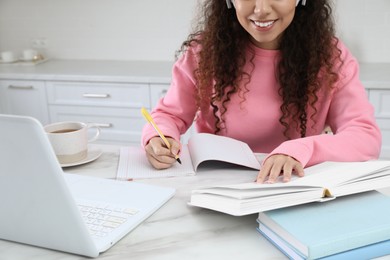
262 7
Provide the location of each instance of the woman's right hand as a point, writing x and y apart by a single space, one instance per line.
159 156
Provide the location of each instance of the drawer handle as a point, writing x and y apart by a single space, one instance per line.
88 95
102 125
20 87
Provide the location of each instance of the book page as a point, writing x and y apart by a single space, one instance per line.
320 176
133 164
332 174
209 147
334 178
253 190
324 175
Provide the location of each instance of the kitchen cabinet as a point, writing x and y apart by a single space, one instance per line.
380 99
376 79
111 94
115 107
108 93
24 97
157 91
118 125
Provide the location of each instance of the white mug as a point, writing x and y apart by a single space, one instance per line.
29 55
70 140
7 56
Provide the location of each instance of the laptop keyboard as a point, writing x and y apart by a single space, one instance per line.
102 219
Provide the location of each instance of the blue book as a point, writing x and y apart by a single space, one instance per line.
366 252
318 230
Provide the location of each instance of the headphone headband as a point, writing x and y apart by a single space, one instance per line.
230 3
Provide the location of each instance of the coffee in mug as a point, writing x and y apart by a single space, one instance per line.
70 140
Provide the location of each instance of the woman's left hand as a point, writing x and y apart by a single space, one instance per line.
279 164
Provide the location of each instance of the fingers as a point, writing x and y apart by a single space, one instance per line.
159 156
277 165
175 146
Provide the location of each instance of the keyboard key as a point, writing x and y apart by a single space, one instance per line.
102 219
116 220
130 211
111 224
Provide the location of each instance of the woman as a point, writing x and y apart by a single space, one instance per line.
270 73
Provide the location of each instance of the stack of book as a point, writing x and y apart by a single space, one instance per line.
350 227
334 212
326 181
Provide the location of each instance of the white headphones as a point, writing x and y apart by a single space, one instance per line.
230 3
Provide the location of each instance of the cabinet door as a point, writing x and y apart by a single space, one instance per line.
115 107
21 97
380 99
97 94
118 125
157 91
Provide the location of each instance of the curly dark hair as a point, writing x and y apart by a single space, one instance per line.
308 52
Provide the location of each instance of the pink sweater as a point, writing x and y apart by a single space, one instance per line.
256 121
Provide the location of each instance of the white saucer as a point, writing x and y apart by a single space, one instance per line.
26 60
92 155
8 62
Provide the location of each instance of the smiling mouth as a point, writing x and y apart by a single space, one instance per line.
266 24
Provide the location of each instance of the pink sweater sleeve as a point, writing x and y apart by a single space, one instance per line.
175 112
356 136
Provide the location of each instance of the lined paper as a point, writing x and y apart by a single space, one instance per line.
133 164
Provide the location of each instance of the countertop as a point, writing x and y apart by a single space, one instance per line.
91 70
373 75
176 231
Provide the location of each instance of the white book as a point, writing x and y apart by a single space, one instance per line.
201 148
322 182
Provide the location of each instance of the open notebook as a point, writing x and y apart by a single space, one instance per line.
203 151
43 206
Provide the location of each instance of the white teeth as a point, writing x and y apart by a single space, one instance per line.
264 24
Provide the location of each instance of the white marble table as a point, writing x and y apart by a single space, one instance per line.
175 231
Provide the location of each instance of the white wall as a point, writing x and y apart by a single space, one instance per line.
364 25
97 29
153 30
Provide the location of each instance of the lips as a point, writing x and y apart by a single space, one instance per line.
264 24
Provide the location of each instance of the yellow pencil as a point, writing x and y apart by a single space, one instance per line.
149 118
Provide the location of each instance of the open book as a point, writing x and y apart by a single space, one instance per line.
201 148
322 182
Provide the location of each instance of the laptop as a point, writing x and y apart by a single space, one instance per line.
45 207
